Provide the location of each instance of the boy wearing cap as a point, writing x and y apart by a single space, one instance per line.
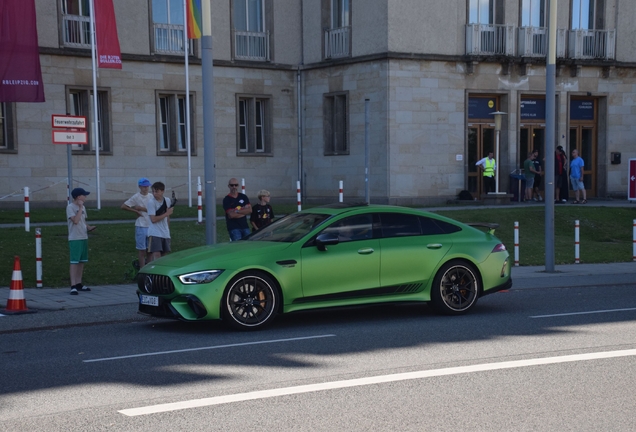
78 238
138 204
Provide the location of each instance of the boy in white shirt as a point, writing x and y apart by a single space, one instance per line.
78 238
138 204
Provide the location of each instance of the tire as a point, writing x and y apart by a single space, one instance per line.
250 301
455 289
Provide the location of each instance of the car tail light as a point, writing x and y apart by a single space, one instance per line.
499 248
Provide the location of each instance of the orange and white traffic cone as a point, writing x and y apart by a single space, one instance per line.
16 303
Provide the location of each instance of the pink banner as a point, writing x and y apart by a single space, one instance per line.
20 72
108 52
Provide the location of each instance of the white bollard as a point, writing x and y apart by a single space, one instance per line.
340 195
243 186
199 203
300 207
576 242
38 257
27 217
634 240
516 244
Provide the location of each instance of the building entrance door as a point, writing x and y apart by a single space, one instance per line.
481 140
531 138
583 138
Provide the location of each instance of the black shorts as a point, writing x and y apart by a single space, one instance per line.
537 181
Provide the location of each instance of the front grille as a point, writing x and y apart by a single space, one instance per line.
155 284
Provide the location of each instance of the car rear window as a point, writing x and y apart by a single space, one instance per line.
401 225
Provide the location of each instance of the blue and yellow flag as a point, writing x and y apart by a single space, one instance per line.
194 19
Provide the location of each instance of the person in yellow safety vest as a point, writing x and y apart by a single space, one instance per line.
488 167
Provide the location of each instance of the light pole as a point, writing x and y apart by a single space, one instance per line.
498 117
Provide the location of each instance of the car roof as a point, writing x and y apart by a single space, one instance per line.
360 207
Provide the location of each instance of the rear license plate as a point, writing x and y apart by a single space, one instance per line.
149 300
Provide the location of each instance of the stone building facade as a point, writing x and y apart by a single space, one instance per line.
303 86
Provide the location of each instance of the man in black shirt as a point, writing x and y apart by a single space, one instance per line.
237 207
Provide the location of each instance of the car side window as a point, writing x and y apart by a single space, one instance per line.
399 225
430 226
446 227
359 227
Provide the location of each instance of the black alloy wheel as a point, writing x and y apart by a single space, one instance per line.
455 288
250 301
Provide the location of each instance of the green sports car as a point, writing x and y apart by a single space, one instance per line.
337 255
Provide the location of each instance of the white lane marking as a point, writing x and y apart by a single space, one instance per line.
240 397
208 348
584 313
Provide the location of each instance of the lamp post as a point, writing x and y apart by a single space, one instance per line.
498 117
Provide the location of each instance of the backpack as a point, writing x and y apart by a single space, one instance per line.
464 196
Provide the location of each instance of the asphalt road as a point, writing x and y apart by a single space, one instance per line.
525 360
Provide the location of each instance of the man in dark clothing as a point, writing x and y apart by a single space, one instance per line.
237 207
560 178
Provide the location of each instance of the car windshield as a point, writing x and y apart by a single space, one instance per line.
290 228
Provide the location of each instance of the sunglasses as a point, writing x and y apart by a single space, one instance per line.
233 184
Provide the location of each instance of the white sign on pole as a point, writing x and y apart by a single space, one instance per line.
70 137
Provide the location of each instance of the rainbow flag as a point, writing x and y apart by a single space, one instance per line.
194 19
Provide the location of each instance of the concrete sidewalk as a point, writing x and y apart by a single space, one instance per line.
51 299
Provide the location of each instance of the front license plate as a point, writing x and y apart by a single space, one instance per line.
149 300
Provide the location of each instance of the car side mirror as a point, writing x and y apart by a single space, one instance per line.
326 239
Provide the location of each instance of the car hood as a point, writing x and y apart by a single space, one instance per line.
223 255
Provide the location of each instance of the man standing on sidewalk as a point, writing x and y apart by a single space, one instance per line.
576 177
237 207
488 166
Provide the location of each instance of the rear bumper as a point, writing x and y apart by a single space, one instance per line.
503 286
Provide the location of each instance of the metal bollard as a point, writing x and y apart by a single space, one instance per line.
516 244
577 259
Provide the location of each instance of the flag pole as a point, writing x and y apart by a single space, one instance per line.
186 49
95 117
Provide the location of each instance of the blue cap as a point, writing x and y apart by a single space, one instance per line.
79 191
143 182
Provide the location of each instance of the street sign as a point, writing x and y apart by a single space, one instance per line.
70 137
68 121
631 180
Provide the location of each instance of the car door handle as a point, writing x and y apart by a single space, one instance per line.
434 245
365 251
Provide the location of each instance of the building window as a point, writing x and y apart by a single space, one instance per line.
481 12
251 38
171 124
583 14
168 27
339 13
337 41
533 13
76 23
80 103
8 142
252 124
336 124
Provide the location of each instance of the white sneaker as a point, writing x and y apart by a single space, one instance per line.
540 198
564 200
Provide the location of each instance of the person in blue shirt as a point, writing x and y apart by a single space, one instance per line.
576 177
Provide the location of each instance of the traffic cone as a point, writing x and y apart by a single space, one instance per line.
16 303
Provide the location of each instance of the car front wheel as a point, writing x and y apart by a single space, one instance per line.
455 288
250 301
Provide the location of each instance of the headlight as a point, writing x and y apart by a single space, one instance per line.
201 277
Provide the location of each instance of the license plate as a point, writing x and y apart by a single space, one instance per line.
149 300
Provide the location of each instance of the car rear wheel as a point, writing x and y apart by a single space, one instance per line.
250 301
455 288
